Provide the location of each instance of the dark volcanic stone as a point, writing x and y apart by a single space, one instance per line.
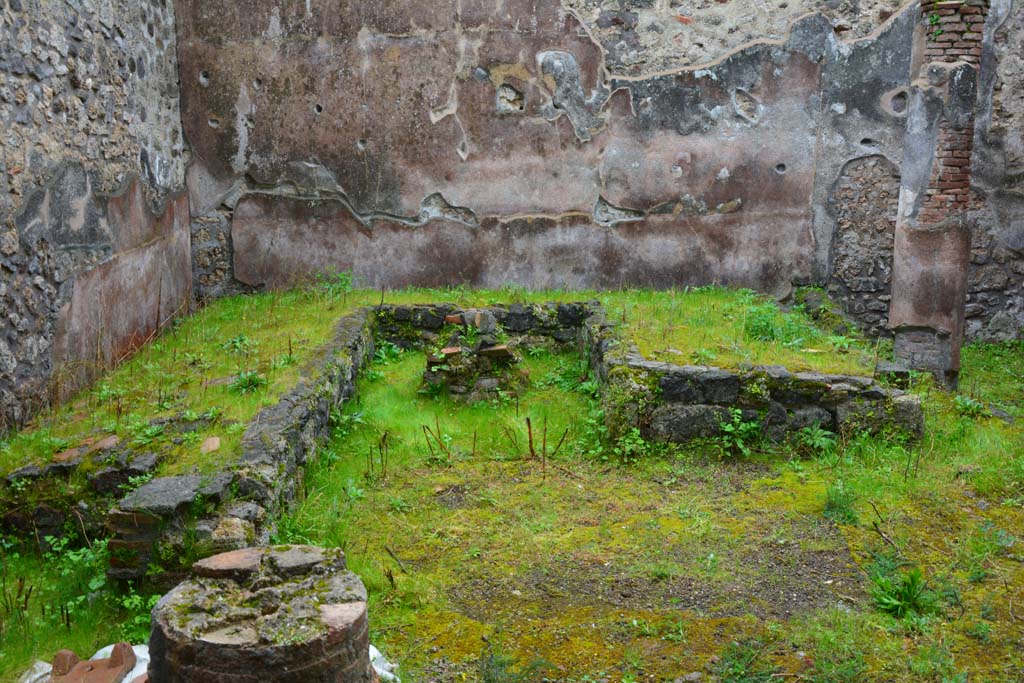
679 423
166 495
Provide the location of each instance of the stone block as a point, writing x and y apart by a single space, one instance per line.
679 423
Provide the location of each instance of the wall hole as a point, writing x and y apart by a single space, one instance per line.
257 83
780 168
898 102
214 122
868 142
361 144
204 78
318 108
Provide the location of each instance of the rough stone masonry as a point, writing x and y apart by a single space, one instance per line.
94 240
546 143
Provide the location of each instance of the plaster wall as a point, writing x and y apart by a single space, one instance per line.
491 144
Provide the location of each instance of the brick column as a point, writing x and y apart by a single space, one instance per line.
288 614
931 252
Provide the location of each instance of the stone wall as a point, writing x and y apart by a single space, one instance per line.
438 142
995 303
570 144
864 202
94 249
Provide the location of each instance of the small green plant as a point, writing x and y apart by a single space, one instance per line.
738 436
334 285
353 493
247 382
968 407
631 447
704 356
814 440
904 594
494 666
766 323
663 570
342 424
980 631
744 662
839 500
387 352
935 661
135 628
979 549
285 360
145 434
399 505
674 632
238 344
840 342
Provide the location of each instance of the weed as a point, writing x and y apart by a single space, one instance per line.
247 382
285 360
904 594
839 500
239 344
386 352
663 570
631 447
334 284
816 441
138 608
145 434
353 493
744 662
399 505
935 661
969 407
980 631
704 356
494 666
977 552
738 436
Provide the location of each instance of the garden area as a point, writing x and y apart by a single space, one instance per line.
526 535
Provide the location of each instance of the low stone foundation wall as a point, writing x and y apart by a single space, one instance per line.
679 403
171 520
673 403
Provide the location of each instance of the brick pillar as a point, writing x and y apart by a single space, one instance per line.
932 250
287 614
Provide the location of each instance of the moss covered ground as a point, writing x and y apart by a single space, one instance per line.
584 560
798 562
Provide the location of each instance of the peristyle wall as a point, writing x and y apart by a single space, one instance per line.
566 144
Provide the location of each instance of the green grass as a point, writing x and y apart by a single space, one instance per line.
727 327
61 601
592 565
242 353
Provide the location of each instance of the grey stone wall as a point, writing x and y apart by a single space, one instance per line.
88 104
864 202
995 302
